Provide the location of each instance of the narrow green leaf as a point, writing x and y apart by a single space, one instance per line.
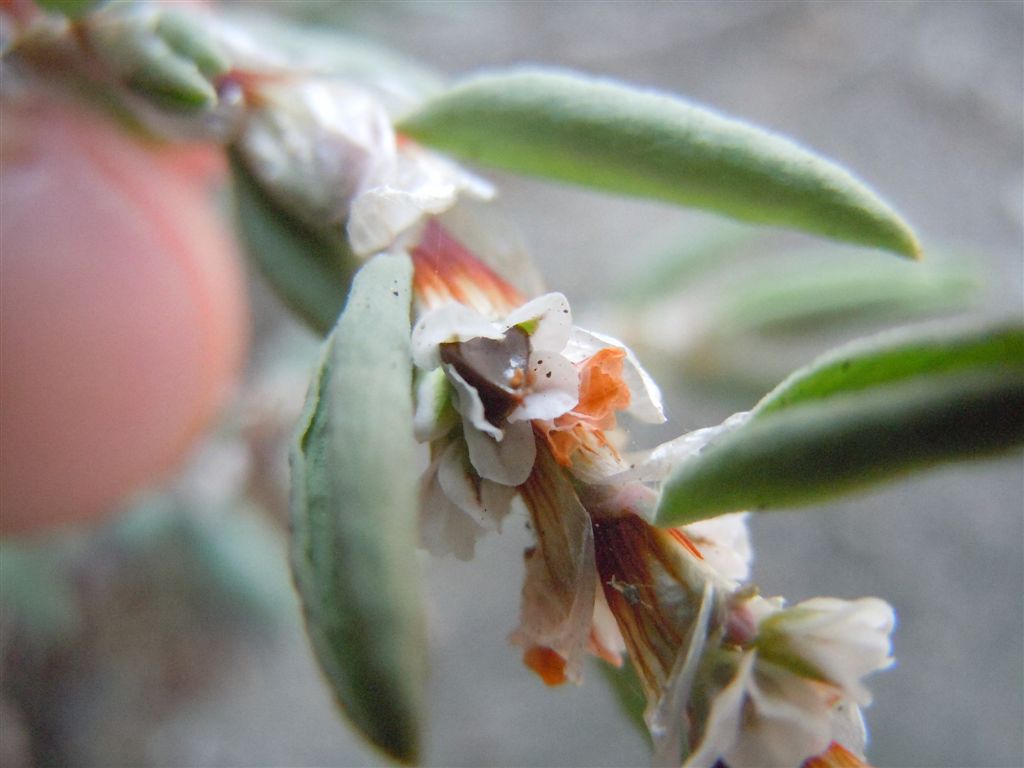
354 514
861 414
820 450
309 273
613 137
896 356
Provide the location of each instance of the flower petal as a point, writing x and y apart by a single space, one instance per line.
554 389
548 320
558 595
722 727
725 543
504 456
471 407
416 184
444 528
645 396
449 322
486 503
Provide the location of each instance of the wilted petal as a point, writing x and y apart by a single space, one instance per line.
416 184
645 396
447 323
605 638
558 595
547 319
725 543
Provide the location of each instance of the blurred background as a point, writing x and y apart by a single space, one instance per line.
172 637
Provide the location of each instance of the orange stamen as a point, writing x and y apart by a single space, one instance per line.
546 663
683 539
836 756
602 393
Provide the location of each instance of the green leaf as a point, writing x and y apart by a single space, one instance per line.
354 514
71 8
185 34
896 356
126 41
635 142
808 297
309 272
629 694
861 415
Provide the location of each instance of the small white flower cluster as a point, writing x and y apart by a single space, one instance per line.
505 375
797 685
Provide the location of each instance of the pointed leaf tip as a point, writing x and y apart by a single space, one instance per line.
624 140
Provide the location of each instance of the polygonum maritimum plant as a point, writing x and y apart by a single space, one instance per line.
640 559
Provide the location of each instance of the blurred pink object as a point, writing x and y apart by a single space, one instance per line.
123 319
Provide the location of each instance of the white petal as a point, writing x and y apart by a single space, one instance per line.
485 502
416 184
435 415
554 391
554 320
725 543
507 462
449 322
844 640
645 402
788 719
444 528
848 727
721 730
471 407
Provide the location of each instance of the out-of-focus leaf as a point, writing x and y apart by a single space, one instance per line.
861 415
37 594
184 33
71 8
354 513
677 265
309 273
629 694
126 40
803 297
613 137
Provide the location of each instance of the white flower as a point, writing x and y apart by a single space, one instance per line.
842 641
327 151
796 686
724 541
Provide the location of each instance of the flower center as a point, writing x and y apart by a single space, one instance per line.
495 368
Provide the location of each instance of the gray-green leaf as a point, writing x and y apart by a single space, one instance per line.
861 415
613 137
309 272
354 514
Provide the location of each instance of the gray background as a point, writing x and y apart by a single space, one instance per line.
923 100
